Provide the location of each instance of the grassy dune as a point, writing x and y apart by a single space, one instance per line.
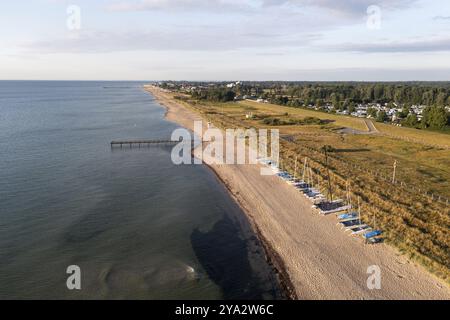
420 136
338 120
413 221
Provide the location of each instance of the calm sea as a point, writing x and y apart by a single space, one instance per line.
138 226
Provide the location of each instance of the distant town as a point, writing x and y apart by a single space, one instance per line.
413 104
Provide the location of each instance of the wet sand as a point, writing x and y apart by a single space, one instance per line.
316 259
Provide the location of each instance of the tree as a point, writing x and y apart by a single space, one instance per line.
391 105
382 116
411 121
372 112
228 96
435 118
335 101
441 97
351 108
345 104
404 113
318 104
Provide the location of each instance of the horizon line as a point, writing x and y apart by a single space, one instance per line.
224 80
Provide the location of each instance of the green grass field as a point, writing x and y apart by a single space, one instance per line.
338 120
420 136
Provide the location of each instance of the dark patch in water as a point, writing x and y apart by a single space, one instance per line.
224 256
88 228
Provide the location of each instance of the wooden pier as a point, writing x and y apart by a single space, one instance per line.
139 143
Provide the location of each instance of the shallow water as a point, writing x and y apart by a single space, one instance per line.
138 226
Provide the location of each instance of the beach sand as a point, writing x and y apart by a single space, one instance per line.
315 258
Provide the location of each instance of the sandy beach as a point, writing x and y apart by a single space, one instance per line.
319 259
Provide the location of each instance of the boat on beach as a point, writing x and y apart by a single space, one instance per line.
349 220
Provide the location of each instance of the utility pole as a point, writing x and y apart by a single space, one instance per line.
295 169
330 191
347 186
359 210
393 174
304 170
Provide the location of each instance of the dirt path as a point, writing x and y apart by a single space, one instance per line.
371 129
370 126
322 261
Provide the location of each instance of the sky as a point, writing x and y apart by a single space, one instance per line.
316 40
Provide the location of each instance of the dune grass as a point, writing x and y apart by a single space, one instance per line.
426 137
415 223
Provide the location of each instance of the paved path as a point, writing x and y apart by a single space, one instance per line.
370 126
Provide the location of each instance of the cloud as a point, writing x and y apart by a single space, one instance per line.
182 5
187 39
353 8
361 74
299 74
398 47
441 18
343 8
272 24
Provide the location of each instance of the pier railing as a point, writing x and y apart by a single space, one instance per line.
139 143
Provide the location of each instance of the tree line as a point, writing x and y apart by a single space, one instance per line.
402 93
411 93
214 94
344 96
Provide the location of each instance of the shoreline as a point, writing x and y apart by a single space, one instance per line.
272 258
306 254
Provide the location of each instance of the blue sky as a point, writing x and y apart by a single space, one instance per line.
226 40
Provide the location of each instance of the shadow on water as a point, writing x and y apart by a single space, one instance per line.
226 258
